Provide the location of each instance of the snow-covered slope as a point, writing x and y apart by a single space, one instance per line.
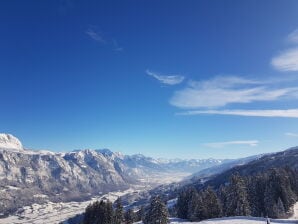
295 212
234 220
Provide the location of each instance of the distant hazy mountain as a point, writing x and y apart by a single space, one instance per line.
219 174
226 165
28 176
191 165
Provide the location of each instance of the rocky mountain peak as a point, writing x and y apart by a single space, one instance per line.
8 141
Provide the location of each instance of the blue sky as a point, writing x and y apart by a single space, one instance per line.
186 79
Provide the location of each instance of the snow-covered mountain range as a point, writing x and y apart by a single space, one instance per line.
28 176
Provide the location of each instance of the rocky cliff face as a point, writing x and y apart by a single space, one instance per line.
29 177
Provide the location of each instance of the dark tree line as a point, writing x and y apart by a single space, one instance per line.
270 193
273 193
102 212
195 206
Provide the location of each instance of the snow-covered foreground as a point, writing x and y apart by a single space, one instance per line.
241 220
234 220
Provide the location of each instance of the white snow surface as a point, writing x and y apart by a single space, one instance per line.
240 219
295 209
233 220
8 141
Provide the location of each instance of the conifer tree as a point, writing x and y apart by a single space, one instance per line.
183 202
211 203
130 216
280 209
256 190
237 198
279 186
222 194
140 214
287 195
109 213
157 212
99 213
118 214
193 206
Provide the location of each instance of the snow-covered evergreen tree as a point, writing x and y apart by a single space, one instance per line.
256 190
237 198
193 205
157 212
211 204
99 213
183 202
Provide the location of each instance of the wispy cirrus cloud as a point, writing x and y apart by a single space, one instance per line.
221 91
293 37
96 35
288 113
166 79
291 134
287 60
251 143
212 96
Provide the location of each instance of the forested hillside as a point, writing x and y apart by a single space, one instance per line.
269 193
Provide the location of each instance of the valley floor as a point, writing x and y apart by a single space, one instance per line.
55 213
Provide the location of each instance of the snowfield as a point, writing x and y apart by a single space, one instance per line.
295 215
240 220
234 220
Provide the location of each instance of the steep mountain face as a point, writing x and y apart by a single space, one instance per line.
34 177
28 176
